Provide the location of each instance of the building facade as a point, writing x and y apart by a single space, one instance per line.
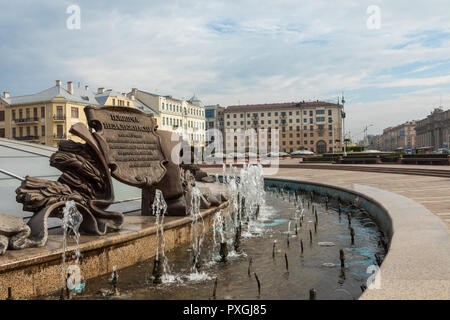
186 117
433 132
314 126
399 138
215 124
47 116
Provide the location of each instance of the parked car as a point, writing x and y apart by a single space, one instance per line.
301 153
280 154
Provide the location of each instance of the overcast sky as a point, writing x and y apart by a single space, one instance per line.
239 52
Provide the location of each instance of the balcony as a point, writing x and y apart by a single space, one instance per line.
59 136
27 138
59 117
26 120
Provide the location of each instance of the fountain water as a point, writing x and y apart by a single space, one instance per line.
197 233
159 209
72 220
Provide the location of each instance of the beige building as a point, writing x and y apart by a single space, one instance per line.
187 117
433 132
314 126
47 116
399 138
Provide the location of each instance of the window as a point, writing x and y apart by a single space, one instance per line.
114 102
262 114
242 115
320 119
234 115
74 112
269 114
59 112
35 130
14 132
310 113
43 131
42 112
28 131
330 127
2 132
59 130
35 112
2 115
276 114
330 120
329 112
304 112
320 111
13 114
228 116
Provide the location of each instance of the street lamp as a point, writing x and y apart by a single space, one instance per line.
366 140
343 125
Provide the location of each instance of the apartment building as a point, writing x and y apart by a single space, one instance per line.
214 123
433 132
186 117
314 126
47 116
399 138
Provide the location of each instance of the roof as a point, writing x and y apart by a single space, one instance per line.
80 96
102 97
144 108
158 95
285 105
195 100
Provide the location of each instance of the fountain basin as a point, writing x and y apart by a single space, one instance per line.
37 271
417 265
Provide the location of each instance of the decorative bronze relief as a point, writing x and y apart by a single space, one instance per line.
129 143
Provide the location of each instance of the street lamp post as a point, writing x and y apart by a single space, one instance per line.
343 125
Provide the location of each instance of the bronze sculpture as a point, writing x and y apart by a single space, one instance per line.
122 143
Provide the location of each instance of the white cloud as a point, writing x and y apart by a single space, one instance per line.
267 52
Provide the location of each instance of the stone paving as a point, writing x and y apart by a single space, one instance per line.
432 192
